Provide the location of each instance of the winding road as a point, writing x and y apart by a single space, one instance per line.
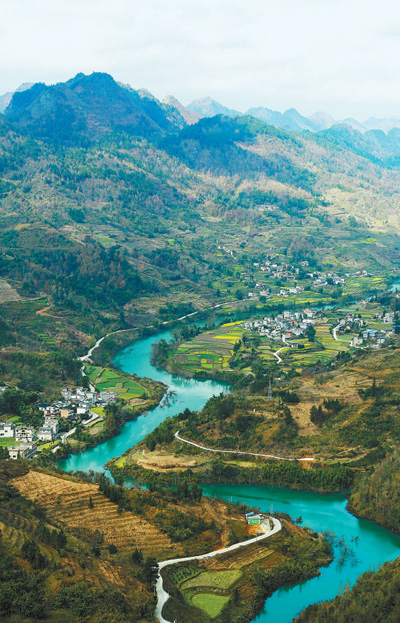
99 341
275 354
267 456
163 596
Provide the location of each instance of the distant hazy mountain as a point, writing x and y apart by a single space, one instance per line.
86 107
322 121
289 120
190 116
382 124
353 123
6 98
272 117
301 122
207 107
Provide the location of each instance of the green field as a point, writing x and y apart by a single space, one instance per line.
123 385
186 572
98 410
8 441
214 579
210 604
211 350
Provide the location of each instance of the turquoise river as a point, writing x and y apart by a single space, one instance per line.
359 545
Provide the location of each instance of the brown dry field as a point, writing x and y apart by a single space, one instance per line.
67 501
160 461
341 385
244 557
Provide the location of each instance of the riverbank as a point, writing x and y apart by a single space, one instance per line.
84 441
241 576
319 512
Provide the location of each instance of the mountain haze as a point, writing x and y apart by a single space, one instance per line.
208 107
7 97
190 116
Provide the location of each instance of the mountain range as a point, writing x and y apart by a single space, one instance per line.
291 119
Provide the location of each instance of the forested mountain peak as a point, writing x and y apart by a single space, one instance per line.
86 107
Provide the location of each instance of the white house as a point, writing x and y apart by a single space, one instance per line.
24 433
51 422
24 451
388 318
6 429
45 434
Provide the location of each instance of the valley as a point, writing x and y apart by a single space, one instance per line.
243 277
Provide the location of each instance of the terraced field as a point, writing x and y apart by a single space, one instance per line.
67 502
211 350
123 385
210 604
214 579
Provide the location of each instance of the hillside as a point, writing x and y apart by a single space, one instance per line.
73 551
108 229
84 107
373 599
375 495
337 406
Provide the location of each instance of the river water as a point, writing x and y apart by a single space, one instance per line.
363 545
182 393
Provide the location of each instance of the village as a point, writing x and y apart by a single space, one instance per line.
285 326
60 420
289 325
282 273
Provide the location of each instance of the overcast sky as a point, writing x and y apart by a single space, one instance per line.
339 56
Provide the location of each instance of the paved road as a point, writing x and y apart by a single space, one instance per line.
99 341
268 456
334 333
163 596
275 354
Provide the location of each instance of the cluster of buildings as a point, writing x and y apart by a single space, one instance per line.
286 326
28 437
291 274
82 398
373 338
76 402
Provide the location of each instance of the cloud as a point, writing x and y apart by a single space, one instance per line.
339 56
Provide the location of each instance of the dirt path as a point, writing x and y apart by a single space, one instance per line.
44 310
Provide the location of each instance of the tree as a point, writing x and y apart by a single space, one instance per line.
137 557
310 333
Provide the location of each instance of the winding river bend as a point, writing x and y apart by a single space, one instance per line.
360 545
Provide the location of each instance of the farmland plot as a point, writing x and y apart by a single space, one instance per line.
68 503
